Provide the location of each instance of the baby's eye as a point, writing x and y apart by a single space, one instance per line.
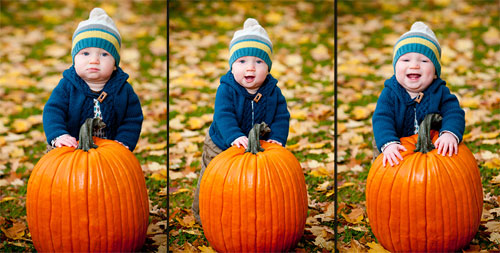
425 61
104 54
405 60
241 61
85 53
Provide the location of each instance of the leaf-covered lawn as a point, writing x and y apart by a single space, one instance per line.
302 34
35 43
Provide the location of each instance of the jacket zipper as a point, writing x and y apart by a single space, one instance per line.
252 115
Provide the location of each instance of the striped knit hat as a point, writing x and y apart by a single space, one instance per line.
251 41
98 31
420 39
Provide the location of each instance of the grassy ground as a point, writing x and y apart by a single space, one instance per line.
35 43
302 35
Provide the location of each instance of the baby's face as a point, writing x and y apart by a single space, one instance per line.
250 72
94 65
415 72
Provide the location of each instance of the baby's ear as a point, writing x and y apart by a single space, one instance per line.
114 68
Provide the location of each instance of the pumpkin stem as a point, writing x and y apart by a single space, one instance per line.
86 130
254 137
424 140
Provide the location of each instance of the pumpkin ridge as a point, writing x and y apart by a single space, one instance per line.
389 208
293 186
226 228
118 176
454 197
277 169
133 189
104 196
115 202
464 182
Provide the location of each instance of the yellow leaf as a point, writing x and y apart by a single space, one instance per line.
492 36
159 176
375 247
195 123
16 152
21 125
273 17
298 114
191 148
355 217
493 163
109 8
7 199
16 231
206 249
175 137
181 191
321 172
470 102
360 113
346 185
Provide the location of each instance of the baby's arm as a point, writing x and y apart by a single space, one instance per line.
281 123
446 143
391 153
55 114
129 129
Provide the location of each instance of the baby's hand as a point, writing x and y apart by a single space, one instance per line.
65 140
391 154
122 143
446 142
241 141
274 141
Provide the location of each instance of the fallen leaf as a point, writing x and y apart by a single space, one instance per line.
375 247
16 231
206 249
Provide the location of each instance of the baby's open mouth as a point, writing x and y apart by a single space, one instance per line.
413 76
249 79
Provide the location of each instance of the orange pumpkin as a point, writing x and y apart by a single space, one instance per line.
88 201
253 202
428 202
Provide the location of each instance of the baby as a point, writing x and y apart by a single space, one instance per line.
414 91
94 87
247 95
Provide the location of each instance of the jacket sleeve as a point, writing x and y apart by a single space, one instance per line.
281 123
452 113
55 113
384 120
129 129
225 115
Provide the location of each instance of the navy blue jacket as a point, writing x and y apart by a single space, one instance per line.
394 115
72 102
235 112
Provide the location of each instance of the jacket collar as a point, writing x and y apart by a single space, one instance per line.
115 82
266 88
394 85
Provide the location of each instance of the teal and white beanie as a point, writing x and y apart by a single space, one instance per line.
98 31
251 41
420 39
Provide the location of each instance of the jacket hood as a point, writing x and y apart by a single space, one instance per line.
266 88
116 81
403 95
